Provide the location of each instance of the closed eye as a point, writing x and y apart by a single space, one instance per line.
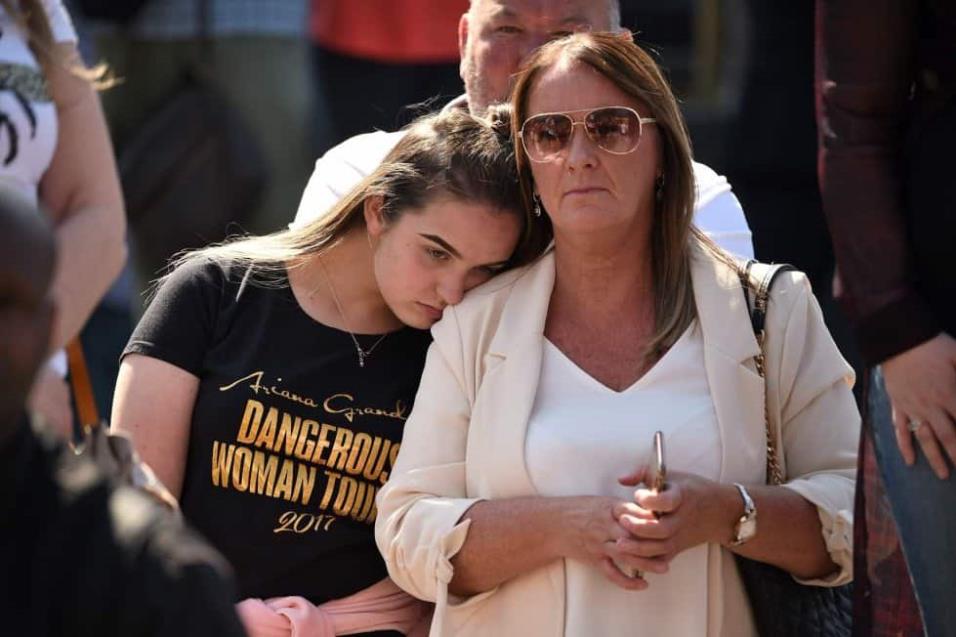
492 270
437 254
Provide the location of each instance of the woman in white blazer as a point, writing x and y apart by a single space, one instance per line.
518 501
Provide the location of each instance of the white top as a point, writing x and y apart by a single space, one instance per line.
61 25
582 436
718 212
29 133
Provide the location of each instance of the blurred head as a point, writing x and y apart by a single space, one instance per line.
27 257
443 213
596 179
495 36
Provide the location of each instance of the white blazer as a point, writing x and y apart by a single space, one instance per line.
465 438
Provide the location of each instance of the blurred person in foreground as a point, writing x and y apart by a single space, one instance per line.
80 555
56 153
512 502
494 36
887 123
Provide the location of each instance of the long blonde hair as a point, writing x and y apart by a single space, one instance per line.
616 57
451 153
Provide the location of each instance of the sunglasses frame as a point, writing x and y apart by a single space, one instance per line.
587 111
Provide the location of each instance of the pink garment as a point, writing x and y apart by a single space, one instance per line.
382 606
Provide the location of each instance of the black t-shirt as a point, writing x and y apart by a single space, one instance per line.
290 438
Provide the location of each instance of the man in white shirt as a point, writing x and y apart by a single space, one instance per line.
494 36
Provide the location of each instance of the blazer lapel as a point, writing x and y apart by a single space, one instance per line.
736 389
507 392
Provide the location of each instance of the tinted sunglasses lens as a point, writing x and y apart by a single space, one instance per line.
545 135
616 130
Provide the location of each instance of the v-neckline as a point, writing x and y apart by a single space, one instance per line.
594 382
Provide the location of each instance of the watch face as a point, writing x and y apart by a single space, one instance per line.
748 529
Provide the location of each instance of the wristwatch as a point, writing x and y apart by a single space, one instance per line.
746 527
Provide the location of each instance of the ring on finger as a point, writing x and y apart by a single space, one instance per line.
913 424
630 572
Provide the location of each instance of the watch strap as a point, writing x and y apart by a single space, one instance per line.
750 513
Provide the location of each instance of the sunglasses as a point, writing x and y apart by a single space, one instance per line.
615 129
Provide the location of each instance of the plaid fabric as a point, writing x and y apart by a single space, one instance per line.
884 604
179 19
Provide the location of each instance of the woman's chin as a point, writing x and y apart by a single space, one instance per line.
589 220
418 317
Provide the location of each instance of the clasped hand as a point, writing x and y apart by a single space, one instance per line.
648 532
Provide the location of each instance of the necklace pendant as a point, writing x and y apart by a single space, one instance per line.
361 357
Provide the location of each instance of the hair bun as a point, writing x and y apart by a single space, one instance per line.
499 118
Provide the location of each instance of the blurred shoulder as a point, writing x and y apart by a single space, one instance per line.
367 149
709 183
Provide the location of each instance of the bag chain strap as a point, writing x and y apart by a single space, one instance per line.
758 315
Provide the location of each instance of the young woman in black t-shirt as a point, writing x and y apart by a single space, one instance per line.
270 378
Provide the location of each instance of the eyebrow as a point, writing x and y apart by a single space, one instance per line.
435 238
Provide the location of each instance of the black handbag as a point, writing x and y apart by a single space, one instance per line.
191 169
782 607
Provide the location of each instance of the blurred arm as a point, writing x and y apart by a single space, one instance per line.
864 81
81 192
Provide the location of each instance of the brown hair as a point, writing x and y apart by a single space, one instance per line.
622 62
448 154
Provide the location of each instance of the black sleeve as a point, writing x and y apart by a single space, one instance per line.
179 324
189 587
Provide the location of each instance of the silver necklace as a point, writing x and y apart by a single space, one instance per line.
363 354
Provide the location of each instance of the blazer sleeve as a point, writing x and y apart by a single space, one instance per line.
810 392
418 529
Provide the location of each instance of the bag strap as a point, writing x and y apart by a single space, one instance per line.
82 387
758 321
